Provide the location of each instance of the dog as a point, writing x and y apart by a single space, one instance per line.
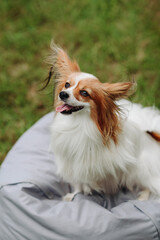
100 140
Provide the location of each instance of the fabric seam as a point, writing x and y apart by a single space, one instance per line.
150 217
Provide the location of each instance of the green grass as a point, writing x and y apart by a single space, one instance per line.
115 40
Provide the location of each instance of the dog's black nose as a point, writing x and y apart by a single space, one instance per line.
63 95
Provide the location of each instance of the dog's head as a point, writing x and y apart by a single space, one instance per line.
77 92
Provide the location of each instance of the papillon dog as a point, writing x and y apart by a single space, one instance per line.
100 141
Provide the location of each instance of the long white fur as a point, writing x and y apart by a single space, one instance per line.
83 159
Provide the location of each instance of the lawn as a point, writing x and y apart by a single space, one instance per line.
115 40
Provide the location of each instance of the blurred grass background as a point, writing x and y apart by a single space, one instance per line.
114 40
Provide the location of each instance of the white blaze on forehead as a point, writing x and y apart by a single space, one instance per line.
81 76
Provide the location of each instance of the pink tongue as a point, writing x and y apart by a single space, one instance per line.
63 108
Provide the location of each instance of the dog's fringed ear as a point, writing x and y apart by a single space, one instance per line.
119 90
61 63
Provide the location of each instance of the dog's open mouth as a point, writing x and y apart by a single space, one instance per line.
67 109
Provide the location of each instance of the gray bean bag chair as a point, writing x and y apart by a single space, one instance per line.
31 207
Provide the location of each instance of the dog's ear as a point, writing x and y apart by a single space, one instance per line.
119 90
61 63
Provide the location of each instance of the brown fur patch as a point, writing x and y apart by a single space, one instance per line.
85 84
119 90
105 114
155 135
104 111
58 88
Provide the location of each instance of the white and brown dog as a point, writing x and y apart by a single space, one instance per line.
101 142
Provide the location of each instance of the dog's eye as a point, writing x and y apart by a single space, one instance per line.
67 85
84 93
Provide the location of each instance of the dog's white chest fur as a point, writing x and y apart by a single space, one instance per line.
76 144
81 156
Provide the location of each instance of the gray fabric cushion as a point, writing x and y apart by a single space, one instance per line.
31 207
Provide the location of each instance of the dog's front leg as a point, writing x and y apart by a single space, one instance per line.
86 189
78 188
70 196
144 195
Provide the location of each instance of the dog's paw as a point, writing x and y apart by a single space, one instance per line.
143 195
68 197
87 190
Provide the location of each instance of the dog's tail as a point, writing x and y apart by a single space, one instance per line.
155 135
